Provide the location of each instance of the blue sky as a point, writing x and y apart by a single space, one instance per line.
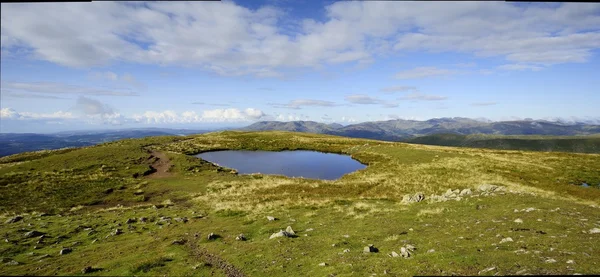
103 65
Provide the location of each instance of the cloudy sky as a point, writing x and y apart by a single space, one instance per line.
200 64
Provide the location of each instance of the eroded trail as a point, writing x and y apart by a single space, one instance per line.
214 260
160 165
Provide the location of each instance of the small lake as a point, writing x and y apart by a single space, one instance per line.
307 164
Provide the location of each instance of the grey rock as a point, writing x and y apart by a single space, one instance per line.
130 221
289 230
143 219
323 264
178 242
181 219
370 249
32 234
280 234
212 236
404 252
87 269
117 232
13 262
417 197
594 231
65 251
14 219
270 218
465 192
394 254
240 237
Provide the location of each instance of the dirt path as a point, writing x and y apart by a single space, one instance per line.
160 165
214 260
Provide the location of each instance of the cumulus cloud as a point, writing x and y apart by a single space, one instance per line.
216 115
24 88
418 96
9 113
423 72
229 39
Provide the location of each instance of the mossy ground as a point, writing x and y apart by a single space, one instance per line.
361 208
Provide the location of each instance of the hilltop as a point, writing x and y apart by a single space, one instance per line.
147 207
399 129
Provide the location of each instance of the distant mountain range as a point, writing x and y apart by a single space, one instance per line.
401 130
13 143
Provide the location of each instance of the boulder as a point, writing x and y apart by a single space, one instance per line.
504 240
181 219
14 219
289 230
240 237
32 234
404 252
270 218
212 236
594 231
394 254
417 197
370 249
465 192
518 220
280 234
323 264
65 251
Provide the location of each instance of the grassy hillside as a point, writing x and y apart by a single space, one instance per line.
529 217
577 144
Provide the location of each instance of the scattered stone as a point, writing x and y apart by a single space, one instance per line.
138 192
323 264
346 250
212 236
65 251
529 210
506 240
181 219
14 219
87 269
518 220
570 262
488 188
130 221
270 218
240 237
594 231
280 234
465 192
487 270
404 252
370 249
13 262
430 250
394 254
309 229
410 247
34 233
550 261
108 190
417 197
117 232
143 219
43 257
178 242
289 230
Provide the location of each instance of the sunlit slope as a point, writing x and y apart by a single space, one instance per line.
78 198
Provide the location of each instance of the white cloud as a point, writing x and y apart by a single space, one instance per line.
423 72
398 89
229 39
299 103
416 96
520 67
9 113
124 78
216 115
363 99
23 88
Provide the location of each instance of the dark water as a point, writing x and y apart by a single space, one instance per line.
307 164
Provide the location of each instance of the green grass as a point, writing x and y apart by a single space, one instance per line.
577 144
361 208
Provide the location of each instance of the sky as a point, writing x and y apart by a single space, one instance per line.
108 65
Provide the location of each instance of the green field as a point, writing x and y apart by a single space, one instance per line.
529 217
576 144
